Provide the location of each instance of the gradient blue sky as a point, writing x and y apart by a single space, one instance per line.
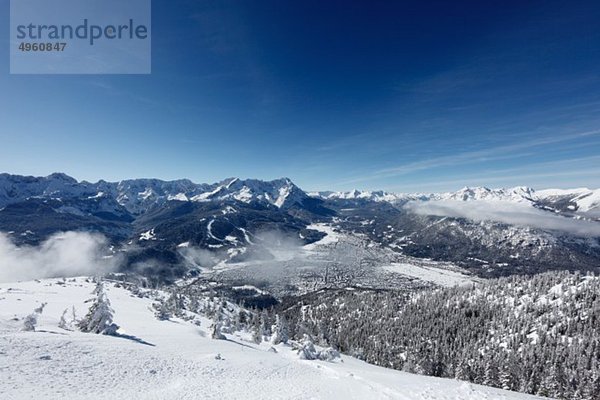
395 95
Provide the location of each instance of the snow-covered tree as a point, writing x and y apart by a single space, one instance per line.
307 350
265 329
280 330
490 377
162 313
99 318
68 323
216 331
257 336
30 321
222 317
328 354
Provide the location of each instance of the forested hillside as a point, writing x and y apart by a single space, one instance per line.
538 335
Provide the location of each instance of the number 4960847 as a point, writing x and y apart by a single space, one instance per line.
24 46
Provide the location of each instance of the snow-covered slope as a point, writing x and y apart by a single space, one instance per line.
176 359
583 199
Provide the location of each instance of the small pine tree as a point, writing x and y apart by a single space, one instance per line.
163 313
99 318
216 331
68 324
30 322
257 336
307 349
490 372
265 329
242 318
280 330
63 321
505 378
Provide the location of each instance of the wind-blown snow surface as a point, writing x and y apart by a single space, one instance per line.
176 359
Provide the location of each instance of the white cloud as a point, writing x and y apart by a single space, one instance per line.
62 255
506 212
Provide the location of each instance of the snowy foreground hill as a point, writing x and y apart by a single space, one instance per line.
175 358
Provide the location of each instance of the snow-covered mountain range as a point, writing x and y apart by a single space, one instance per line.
139 195
582 199
151 222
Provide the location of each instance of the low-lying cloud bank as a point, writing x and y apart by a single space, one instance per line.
506 212
266 245
62 255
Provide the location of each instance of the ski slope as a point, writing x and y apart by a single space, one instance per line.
175 359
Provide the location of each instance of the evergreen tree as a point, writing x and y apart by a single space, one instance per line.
280 330
30 321
99 318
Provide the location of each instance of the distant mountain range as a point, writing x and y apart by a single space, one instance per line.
577 201
151 219
139 195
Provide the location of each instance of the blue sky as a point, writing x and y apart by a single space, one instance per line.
394 95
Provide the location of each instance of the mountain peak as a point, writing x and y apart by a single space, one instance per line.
62 177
